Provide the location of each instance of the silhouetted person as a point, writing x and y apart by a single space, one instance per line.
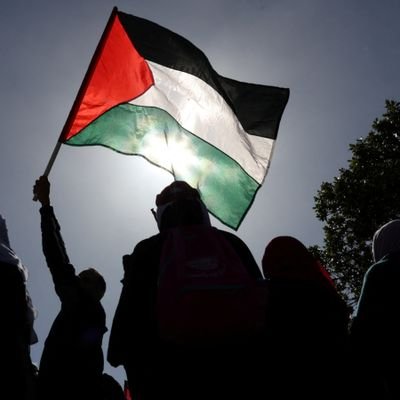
111 389
306 327
157 368
375 329
17 317
72 361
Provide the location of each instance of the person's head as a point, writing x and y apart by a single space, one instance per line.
180 204
386 239
93 283
286 257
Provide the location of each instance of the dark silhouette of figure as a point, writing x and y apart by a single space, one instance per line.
156 368
306 337
72 361
111 389
375 329
17 333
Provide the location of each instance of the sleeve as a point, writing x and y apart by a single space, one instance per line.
63 273
370 319
133 327
126 320
372 293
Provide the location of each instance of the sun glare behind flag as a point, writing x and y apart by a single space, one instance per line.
150 92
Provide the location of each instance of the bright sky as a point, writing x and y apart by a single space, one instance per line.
340 60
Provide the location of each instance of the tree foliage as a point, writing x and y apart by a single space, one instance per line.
359 200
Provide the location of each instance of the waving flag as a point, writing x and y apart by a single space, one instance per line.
152 93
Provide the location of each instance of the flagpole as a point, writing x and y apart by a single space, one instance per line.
50 163
74 108
52 158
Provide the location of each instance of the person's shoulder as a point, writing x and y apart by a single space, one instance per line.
388 266
146 251
150 241
229 235
146 245
234 239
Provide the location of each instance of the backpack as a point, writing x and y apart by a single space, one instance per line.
205 293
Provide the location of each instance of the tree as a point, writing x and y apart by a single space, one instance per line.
359 200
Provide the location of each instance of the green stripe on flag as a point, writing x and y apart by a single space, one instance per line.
226 189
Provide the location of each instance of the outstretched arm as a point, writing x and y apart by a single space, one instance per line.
52 242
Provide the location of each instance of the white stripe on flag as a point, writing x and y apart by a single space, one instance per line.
199 109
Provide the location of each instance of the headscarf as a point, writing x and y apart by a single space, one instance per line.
287 258
386 239
8 256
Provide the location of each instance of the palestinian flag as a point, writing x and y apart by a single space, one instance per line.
152 93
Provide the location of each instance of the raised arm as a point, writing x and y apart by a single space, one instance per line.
54 250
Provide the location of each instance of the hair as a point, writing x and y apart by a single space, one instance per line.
93 282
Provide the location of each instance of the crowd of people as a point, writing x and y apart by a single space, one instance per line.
197 317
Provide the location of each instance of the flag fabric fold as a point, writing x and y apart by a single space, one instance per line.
152 93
